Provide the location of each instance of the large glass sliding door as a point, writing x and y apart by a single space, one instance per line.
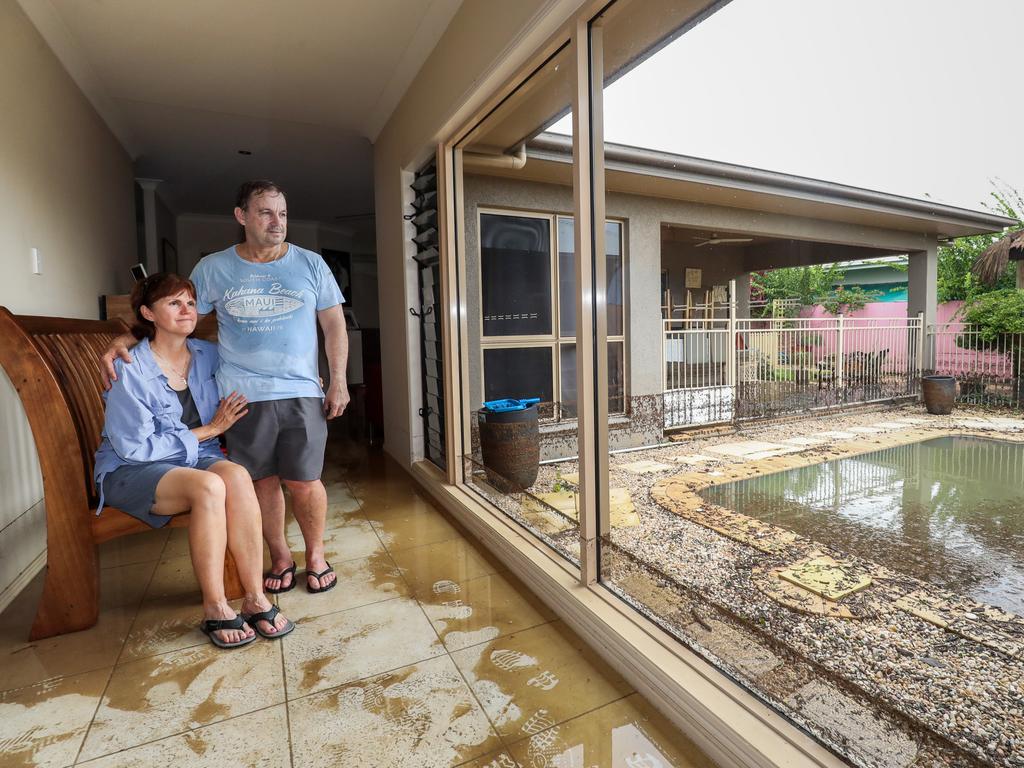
611 231
522 455
829 633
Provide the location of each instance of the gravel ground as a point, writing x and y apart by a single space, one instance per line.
884 689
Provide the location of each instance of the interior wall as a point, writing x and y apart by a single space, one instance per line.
198 234
66 188
166 236
718 265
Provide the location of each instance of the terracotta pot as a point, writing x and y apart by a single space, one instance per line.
939 394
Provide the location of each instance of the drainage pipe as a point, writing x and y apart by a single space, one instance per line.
507 161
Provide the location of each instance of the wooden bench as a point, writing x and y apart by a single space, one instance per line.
53 364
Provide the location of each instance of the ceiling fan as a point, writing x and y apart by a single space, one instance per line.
715 240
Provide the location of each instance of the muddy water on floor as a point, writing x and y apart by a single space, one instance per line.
949 511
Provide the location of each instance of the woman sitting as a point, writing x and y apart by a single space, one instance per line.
160 457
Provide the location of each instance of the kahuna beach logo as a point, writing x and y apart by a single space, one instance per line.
262 302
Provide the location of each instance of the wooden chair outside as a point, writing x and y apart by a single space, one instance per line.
52 362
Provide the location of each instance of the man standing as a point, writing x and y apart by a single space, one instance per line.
269 295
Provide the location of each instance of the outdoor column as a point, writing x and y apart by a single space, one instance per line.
743 295
923 293
151 258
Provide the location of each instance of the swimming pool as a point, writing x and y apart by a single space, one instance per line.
949 511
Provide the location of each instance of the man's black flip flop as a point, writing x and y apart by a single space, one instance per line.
318 576
280 576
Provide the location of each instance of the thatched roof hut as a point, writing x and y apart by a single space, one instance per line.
993 260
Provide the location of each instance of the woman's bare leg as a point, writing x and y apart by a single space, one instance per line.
202 494
245 538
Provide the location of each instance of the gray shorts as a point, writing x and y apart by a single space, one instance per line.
286 438
132 488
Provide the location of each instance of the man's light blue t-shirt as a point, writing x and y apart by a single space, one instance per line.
266 320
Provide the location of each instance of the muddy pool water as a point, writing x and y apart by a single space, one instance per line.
948 510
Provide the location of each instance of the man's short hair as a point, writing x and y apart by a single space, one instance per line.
251 189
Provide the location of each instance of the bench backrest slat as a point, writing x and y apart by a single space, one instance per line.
71 350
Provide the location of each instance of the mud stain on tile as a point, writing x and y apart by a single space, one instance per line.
420 715
44 724
164 695
361 582
536 678
256 740
357 643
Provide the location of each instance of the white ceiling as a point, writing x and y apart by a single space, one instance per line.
305 86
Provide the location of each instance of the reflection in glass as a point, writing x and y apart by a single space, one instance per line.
512 334
515 273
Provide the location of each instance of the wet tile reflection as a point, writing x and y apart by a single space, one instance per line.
427 655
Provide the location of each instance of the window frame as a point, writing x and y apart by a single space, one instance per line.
732 725
554 340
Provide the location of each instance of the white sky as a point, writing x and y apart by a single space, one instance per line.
914 97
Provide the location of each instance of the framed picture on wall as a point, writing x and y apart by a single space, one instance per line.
693 277
340 264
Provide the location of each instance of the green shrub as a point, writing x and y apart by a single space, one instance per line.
998 317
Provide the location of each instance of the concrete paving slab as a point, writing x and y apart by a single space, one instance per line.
646 467
692 458
806 441
826 576
744 448
776 452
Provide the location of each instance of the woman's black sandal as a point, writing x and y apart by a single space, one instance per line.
268 616
209 626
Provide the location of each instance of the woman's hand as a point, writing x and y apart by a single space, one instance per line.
231 409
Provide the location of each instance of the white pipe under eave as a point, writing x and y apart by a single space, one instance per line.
507 161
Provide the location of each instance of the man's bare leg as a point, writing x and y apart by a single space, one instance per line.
271 499
309 503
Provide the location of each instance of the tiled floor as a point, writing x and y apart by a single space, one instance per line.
427 654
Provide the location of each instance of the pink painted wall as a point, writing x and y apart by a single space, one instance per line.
949 358
878 309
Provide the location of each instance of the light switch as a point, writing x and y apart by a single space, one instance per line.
37 262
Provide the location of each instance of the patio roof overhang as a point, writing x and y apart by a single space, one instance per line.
651 173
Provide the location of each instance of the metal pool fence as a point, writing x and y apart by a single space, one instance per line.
988 369
733 369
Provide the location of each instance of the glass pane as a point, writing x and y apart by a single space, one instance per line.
616 380
791 257
521 373
614 272
522 463
567 277
567 409
515 275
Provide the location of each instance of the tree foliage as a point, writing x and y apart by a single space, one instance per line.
818 284
956 282
998 316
